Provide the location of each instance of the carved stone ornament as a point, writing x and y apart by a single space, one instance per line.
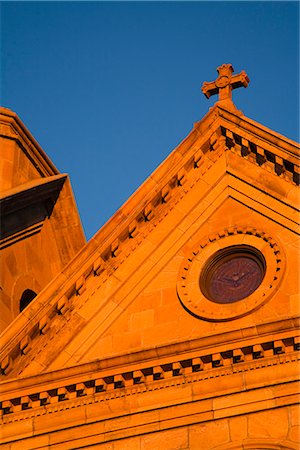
230 274
225 83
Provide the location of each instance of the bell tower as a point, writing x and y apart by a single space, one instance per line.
40 226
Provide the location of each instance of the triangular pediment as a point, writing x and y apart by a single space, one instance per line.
230 182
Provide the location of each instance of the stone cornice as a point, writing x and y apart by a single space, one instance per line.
51 396
242 124
11 127
20 196
42 192
147 207
249 336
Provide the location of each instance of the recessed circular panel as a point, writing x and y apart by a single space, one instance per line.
229 274
232 274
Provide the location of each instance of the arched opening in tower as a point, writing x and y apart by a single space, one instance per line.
27 296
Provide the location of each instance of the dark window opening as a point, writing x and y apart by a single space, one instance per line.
27 296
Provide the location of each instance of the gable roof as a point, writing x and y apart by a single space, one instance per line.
58 306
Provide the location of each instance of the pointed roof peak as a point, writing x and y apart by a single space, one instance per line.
224 84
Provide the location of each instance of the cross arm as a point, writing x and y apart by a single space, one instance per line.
240 80
209 88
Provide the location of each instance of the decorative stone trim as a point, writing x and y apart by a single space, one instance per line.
11 127
262 157
7 130
188 282
30 231
189 370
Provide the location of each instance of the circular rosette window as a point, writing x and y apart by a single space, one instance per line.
227 277
232 274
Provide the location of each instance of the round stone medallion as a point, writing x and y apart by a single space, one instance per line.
222 81
230 274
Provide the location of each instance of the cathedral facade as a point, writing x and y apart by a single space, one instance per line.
177 325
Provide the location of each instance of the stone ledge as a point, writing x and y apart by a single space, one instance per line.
129 382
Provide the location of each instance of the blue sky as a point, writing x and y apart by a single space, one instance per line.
109 89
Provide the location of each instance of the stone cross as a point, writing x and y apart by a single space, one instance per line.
225 83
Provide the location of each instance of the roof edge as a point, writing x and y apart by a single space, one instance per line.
238 118
12 127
